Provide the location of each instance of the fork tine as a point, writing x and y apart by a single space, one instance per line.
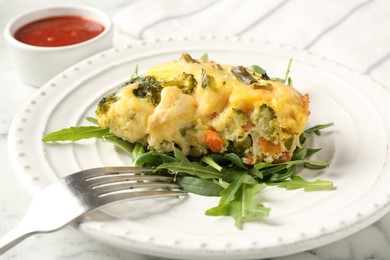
118 197
132 187
114 178
101 171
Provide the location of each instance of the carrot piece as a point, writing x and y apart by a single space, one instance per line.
213 140
269 147
250 160
284 158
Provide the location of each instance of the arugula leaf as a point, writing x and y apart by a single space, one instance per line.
208 160
238 202
76 133
278 177
151 159
303 152
287 78
264 165
199 186
204 57
119 142
134 74
183 165
257 172
235 159
315 165
316 129
297 182
137 151
229 194
257 69
86 132
299 153
251 210
232 175
223 184
92 120
311 151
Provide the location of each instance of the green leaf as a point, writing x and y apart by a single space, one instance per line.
287 80
183 165
92 120
249 180
135 73
232 174
279 166
250 209
76 133
210 161
278 177
263 165
218 158
153 159
238 201
229 194
311 151
257 69
318 163
257 172
235 159
315 129
204 57
315 165
278 79
297 182
137 151
199 186
299 153
221 183
119 142
180 157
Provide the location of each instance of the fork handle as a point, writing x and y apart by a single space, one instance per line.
14 236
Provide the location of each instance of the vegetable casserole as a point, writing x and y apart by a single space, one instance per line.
202 107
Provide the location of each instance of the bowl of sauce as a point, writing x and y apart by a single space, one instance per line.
59 31
46 41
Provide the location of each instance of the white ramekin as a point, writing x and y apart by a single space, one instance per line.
36 65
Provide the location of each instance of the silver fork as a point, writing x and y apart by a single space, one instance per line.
75 195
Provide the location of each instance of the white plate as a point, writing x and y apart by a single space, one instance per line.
357 148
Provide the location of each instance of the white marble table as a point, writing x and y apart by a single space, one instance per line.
354 33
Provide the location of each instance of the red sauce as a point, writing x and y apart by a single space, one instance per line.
58 31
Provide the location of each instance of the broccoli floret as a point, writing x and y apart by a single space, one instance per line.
186 82
239 117
149 88
262 118
105 103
